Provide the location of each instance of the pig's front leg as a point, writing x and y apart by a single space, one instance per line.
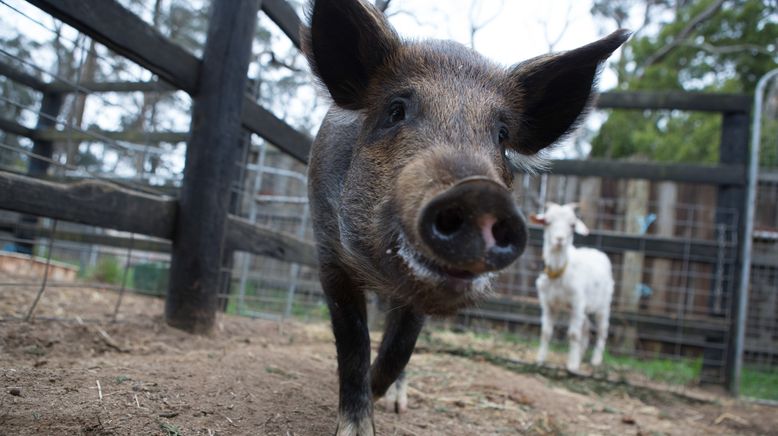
402 328
352 340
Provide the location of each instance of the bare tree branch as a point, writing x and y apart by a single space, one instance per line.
382 4
475 27
683 34
544 23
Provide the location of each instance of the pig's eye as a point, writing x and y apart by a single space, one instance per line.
503 135
396 113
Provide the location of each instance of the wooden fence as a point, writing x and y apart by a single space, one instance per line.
203 236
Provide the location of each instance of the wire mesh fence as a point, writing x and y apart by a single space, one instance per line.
671 302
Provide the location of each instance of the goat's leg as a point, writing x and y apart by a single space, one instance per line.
602 336
585 334
348 311
402 329
546 331
577 317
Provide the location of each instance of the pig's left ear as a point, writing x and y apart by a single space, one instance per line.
346 43
550 92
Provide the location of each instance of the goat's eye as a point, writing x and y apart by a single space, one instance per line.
396 113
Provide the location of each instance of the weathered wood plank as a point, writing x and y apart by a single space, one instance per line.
15 128
110 24
97 87
59 86
653 326
92 202
706 174
241 236
195 269
137 137
264 241
137 244
652 246
681 100
283 14
53 135
42 152
261 121
22 77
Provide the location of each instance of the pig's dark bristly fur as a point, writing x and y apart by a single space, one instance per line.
410 175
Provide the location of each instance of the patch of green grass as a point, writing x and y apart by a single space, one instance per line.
274 301
759 383
109 270
170 429
682 372
120 379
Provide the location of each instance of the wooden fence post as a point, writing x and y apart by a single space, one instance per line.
632 266
198 243
730 200
667 197
37 167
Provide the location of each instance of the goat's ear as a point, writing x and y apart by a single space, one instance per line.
346 42
550 93
581 228
537 219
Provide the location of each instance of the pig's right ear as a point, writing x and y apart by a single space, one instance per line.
551 92
346 42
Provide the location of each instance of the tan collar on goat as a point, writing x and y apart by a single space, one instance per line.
554 274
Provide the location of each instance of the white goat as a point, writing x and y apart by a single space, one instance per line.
578 278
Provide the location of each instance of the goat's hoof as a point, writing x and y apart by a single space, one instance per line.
574 370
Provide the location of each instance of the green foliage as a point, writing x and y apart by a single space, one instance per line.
108 270
759 383
683 372
151 277
727 52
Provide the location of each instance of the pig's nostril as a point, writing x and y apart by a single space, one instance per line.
448 222
504 235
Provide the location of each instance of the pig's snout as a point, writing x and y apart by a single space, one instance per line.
473 226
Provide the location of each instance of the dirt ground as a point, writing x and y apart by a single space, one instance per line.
86 375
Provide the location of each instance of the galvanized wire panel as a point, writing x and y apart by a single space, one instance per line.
761 336
131 139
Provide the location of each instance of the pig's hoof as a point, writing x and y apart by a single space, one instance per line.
348 427
396 398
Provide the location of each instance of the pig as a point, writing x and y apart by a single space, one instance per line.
410 177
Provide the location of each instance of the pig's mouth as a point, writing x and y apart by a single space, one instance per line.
429 271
